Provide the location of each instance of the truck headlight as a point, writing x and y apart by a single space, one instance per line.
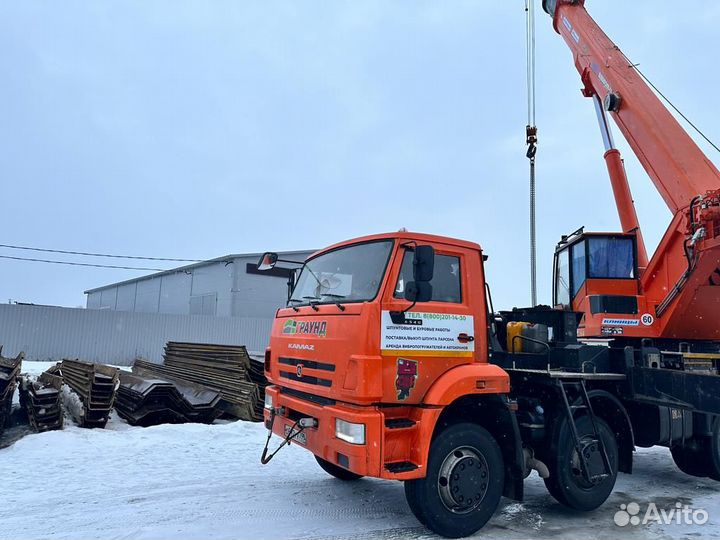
349 432
268 401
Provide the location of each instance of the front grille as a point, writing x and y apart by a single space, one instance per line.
309 379
307 397
311 364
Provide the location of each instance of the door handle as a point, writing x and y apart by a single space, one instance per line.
464 338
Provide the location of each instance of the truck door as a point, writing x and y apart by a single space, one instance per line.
419 345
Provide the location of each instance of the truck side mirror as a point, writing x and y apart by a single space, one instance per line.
423 264
418 291
267 261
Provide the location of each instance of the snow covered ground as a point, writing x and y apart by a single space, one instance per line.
199 481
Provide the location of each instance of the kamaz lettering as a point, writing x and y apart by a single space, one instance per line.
301 346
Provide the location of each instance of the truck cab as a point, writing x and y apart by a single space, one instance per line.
353 353
382 339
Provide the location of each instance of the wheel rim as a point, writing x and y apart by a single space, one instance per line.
576 467
463 480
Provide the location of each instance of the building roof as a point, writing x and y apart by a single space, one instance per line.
188 267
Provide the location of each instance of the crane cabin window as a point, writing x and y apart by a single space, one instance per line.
562 278
611 258
579 273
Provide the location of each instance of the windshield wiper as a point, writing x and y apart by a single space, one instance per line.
338 296
314 301
312 304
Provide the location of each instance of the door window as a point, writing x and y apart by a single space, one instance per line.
445 282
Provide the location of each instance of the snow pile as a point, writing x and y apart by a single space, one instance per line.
72 404
205 481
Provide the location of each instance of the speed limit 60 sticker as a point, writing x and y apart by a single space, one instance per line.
647 319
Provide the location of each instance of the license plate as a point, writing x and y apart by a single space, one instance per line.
299 436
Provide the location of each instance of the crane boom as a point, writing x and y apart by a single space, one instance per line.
677 166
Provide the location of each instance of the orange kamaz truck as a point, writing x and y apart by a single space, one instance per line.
390 361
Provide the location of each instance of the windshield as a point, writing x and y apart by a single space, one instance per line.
348 274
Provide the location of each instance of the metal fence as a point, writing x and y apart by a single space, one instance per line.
116 337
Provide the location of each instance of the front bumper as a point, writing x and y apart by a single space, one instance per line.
363 459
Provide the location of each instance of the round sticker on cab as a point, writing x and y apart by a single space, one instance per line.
647 319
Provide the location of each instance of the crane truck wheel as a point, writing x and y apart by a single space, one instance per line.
691 459
411 498
337 472
566 482
463 484
714 451
700 457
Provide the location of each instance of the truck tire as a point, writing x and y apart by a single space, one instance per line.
700 457
714 452
691 460
411 496
566 483
337 472
463 484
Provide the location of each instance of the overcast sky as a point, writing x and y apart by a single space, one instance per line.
197 129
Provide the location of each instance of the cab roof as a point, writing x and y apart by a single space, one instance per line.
404 235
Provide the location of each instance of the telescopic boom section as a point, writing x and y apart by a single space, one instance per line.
676 165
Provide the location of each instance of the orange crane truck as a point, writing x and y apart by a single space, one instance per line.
389 360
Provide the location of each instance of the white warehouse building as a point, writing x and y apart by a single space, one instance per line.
229 286
224 300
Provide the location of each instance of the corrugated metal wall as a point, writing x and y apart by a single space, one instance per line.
116 337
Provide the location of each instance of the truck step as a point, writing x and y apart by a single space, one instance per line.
398 423
400 466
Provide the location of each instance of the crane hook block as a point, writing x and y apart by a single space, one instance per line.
531 141
531 133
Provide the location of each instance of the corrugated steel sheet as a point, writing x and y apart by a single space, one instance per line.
117 337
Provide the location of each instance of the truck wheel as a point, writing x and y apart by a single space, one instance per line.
463 484
566 482
714 451
691 459
337 472
411 496
700 457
